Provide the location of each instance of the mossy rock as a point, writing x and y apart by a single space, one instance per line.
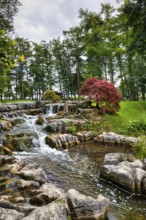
51 96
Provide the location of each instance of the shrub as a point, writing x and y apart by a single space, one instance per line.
139 148
104 93
72 129
51 96
136 127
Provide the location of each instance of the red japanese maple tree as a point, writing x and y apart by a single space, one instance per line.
104 93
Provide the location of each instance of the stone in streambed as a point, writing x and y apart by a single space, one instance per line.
86 207
129 175
10 214
46 194
61 140
52 211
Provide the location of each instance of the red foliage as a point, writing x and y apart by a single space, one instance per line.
84 90
102 92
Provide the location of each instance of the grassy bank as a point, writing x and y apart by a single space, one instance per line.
129 112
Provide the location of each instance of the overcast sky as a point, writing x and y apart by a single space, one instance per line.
39 20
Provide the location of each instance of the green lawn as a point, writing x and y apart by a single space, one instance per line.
16 101
130 111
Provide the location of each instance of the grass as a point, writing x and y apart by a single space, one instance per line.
15 101
130 111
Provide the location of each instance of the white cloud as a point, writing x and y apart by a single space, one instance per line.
46 19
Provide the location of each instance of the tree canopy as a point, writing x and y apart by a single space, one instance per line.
108 45
104 93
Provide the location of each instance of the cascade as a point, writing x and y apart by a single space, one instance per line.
53 108
78 169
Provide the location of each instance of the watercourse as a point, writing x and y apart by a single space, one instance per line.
79 168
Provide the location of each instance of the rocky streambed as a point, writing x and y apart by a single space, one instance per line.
27 194
27 187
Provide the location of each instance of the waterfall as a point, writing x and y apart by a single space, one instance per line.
53 108
39 147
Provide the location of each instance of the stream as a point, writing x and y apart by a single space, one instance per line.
79 168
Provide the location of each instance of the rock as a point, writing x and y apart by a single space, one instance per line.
17 106
140 183
2 139
63 125
27 130
111 137
143 185
40 120
17 121
29 166
123 176
86 207
7 107
37 175
5 125
84 135
116 158
7 159
127 174
17 200
34 111
23 184
20 207
52 191
26 105
10 214
53 211
19 142
61 140
16 166
5 150
56 126
48 193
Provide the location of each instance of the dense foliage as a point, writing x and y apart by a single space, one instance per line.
139 148
104 93
136 127
7 45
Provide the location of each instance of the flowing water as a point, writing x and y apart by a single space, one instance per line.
79 168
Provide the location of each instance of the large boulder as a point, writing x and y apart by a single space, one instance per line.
46 194
61 140
86 207
113 138
56 126
64 125
19 142
24 183
129 174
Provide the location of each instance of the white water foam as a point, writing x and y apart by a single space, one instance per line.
39 147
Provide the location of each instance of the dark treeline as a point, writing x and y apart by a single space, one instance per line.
109 45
